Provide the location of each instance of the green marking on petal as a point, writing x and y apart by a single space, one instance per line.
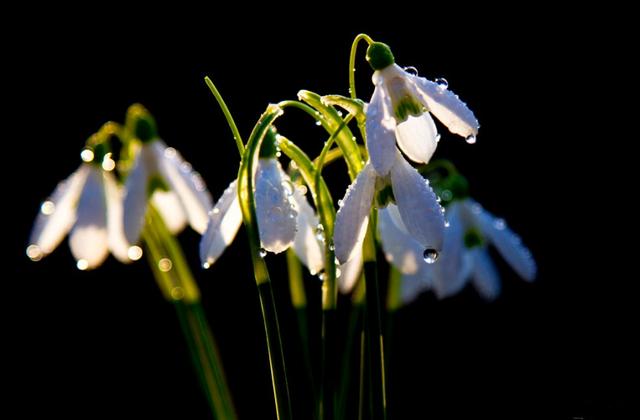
407 106
156 183
379 56
473 239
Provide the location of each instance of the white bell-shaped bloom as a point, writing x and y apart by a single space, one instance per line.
284 219
400 110
417 206
465 256
88 206
187 198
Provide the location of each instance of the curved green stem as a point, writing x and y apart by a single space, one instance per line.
352 62
261 273
227 115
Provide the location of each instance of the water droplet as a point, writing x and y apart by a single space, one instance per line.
47 208
318 123
438 136
292 215
321 276
108 164
294 165
206 265
340 203
82 264
278 154
338 273
339 113
411 70
186 167
288 187
470 139
350 90
332 247
86 155
34 253
354 138
430 255
438 199
476 208
499 224
442 83
215 210
447 195
170 153
442 210
302 189
263 252
177 293
134 253
165 265
447 224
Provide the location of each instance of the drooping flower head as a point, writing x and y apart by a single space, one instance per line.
284 215
88 206
159 173
400 110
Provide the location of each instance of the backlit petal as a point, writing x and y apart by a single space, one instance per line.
380 129
224 221
115 230
484 274
353 216
170 208
350 273
306 245
418 137
135 199
400 248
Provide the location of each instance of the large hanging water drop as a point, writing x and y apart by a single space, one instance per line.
263 252
470 139
442 83
430 255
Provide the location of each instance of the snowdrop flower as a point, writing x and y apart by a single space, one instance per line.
464 256
283 213
178 192
417 207
400 110
88 206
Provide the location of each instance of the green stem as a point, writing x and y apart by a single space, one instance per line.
261 273
352 62
374 327
299 302
178 286
227 115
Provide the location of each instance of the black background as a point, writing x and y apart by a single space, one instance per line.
104 343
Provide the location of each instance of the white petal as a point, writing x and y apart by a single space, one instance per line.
170 208
418 205
350 273
353 216
186 183
117 241
88 238
276 216
380 129
306 245
135 198
446 106
413 285
484 274
400 248
58 212
418 137
453 268
505 240
224 221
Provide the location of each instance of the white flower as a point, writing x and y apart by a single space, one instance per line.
464 256
400 110
88 204
178 191
284 218
417 206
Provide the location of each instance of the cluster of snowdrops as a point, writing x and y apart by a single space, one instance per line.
417 211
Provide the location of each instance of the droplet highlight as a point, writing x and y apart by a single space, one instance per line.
430 255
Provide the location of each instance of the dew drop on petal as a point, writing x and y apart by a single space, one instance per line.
411 70
170 152
262 252
430 255
321 276
470 139
108 164
447 224
332 247
134 253
338 273
302 189
442 83
320 232
340 203
186 167
215 210
47 208
82 264
288 187
86 155
318 123
177 293
206 265
34 253
165 265
499 224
